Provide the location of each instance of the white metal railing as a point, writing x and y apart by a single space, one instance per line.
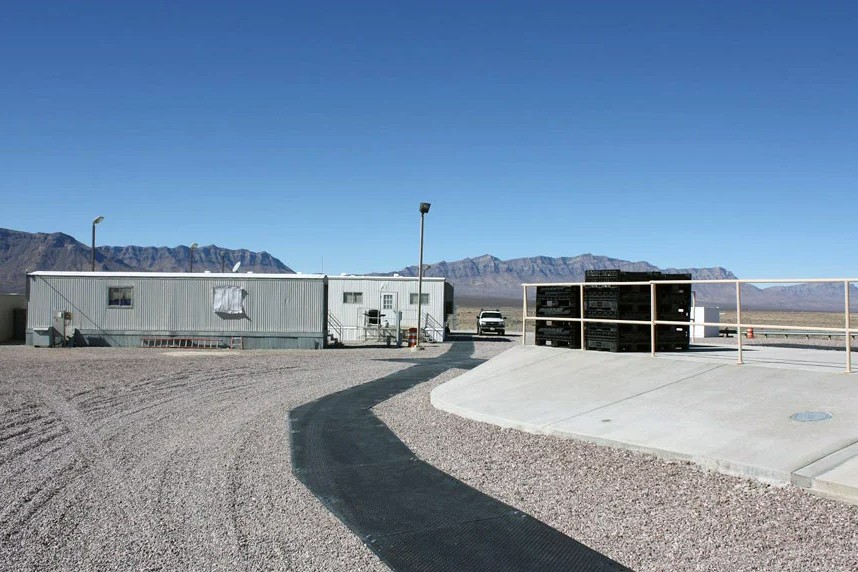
847 329
335 325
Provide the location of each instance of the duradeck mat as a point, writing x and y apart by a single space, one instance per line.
413 516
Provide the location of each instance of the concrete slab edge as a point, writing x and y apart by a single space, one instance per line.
723 466
810 476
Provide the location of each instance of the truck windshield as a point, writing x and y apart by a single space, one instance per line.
492 315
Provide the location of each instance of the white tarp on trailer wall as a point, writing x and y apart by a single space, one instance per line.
227 300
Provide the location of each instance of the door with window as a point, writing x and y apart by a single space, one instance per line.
389 307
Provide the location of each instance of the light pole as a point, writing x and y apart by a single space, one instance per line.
424 208
193 248
95 221
222 262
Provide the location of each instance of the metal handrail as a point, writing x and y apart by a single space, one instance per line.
336 325
431 323
847 330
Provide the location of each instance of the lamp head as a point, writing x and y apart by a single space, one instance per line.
194 245
97 219
424 208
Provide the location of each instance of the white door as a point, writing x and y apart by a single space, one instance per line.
389 307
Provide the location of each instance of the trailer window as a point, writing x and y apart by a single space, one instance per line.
352 297
424 299
387 301
120 296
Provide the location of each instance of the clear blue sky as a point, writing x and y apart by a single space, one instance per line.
684 133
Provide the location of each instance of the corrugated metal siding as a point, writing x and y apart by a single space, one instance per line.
175 304
351 315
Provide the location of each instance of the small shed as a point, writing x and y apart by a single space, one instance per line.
356 302
257 311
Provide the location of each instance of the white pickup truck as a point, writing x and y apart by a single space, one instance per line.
490 321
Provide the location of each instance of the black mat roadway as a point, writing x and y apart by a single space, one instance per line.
413 516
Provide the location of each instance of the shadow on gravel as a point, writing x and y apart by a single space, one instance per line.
413 516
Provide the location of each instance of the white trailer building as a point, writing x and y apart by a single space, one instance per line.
357 305
257 311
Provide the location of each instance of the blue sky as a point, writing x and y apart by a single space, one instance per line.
683 133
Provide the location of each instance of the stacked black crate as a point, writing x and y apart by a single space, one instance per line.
627 302
633 302
673 303
558 302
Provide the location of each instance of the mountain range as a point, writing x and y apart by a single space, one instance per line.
484 279
22 252
489 279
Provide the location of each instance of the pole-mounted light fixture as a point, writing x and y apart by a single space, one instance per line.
95 221
193 248
424 208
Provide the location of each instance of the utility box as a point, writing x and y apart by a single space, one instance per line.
700 314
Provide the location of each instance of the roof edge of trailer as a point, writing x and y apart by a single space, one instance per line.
235 275
396 278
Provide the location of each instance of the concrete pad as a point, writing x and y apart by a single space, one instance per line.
730 418
525 386
805 359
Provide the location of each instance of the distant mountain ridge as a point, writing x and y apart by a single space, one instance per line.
22 252
488 277
484 277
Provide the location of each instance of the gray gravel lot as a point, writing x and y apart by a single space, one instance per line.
115 459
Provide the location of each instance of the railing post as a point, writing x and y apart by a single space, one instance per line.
652 317
523 315
848 328
581 314
739 322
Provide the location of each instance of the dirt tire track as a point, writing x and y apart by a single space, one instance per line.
101 465
167 462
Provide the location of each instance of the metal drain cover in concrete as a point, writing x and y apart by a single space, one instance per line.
806 416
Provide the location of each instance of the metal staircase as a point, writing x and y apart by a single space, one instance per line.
335 331
431 329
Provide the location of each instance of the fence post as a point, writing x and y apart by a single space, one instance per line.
523 315
739 322
848 324
581 314
652 318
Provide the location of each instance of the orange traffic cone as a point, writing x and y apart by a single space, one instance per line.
750 334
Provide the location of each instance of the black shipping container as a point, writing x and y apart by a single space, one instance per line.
635 337
552 332
548 311
557 292
559 301
615 275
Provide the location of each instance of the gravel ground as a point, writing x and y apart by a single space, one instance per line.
115 459
649 514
